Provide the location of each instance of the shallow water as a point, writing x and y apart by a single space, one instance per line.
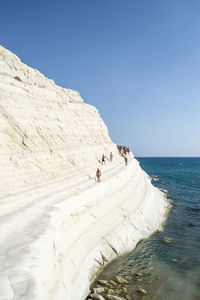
167 265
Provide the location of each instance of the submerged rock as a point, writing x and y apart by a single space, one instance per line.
98 290
111 297
102 281
138 278
105 283
139 274
127 277
174 259
121 279
96 297
167 239
142 291
113 283
111 292
119 291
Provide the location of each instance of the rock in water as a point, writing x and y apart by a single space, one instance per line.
96 297
167 239
111 292
98 290
113 283
142 291
121 279
105 283
111 297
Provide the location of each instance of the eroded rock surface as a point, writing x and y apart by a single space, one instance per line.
45 130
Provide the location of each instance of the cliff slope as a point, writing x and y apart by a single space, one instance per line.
58 225
45 129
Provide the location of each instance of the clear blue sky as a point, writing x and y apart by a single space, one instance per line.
138 62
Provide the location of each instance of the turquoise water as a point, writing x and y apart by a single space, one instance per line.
167 270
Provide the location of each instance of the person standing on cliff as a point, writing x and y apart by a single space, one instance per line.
98 175
111 156
126 160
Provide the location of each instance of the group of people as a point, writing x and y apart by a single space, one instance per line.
103 162
122 151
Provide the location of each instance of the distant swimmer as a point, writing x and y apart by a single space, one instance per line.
98 175
111 156
103 159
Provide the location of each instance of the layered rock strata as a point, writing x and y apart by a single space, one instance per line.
45 130
58 225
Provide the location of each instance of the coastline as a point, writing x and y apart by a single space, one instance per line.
75 236
116 227
58 225
105 285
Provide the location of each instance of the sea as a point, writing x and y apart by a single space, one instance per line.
166 266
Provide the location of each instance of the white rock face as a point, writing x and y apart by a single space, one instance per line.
58 225
45 129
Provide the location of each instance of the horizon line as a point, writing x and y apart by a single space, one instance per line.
167 156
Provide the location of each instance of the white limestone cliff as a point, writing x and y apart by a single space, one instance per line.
58 225
45 129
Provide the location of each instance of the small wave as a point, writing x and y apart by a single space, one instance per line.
164 191
155 178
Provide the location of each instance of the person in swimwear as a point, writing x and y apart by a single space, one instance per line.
103 159
126 160
111 156
98 175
